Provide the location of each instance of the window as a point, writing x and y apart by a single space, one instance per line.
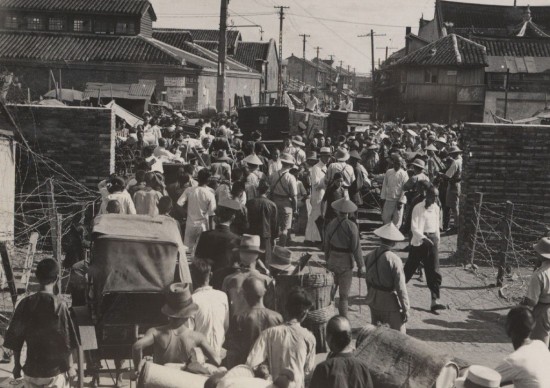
82 25
103 27
11 22
35 23
125 28
56 24
430 77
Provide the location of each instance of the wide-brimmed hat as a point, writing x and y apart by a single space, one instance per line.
287 159
419 163
237 132
282 258
249 243
389 232
298 141
543 247
430 147
341 155
221 156
179 302
344 205
319 132
479 376
441 139
312 155
325 151
354 155
454 150
253 159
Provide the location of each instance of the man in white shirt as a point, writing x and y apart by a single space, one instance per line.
212 318
348 104
313 103
200 209
317 180
393 193
162 153
527 366
425 245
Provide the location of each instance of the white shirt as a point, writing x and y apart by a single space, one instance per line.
212 315
317 177
424 221
312 104
123 198
539 284
527 367
455 166
274 166
157 165
392 187
349 106
202 204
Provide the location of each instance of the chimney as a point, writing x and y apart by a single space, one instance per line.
527 14
407 33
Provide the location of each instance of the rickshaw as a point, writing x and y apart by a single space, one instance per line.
133 260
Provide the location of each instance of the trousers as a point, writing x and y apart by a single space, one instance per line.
59 381
429 256
391 318
390 213
541 331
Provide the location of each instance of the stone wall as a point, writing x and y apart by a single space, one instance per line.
80 139
506 163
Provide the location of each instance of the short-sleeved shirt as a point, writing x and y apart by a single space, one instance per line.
43 322
285 346
539 285
283 184
341 371
201 204
527 367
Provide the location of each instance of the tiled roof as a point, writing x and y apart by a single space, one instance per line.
248 52
213 35
515 47
497 18
57 47
129 7
173 37
452 50
208 44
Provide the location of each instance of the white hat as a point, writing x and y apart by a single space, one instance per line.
344 205
479 377
389 232
543 247
253 159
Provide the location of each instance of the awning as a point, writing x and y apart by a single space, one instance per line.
65 94
123 114
138 91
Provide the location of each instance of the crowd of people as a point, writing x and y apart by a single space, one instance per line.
240 204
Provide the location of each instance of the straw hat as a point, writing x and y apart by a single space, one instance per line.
237 132
431 147
412 133
419 163
441 140
389 232
454 150
282 259
344 205
249 243
253 159
543 247
298 141
341 155
287 159
325 151
479 377
179 302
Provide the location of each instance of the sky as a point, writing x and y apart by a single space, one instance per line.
333 25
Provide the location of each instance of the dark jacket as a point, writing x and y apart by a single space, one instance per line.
216 246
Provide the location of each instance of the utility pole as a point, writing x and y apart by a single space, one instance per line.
222 54
317 69
372 34
304 36
386 48
280 78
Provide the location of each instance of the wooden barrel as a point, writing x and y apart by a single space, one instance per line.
318 283
397 360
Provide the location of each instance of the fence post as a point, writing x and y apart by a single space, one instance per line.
505 228
478 197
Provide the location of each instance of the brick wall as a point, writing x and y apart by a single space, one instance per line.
80 139
505 163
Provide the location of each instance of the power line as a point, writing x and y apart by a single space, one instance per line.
347 21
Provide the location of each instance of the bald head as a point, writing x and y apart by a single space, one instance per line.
338 333
253 290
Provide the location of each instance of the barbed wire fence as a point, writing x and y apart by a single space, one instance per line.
501 253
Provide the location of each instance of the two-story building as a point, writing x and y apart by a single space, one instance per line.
441 82
68 43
